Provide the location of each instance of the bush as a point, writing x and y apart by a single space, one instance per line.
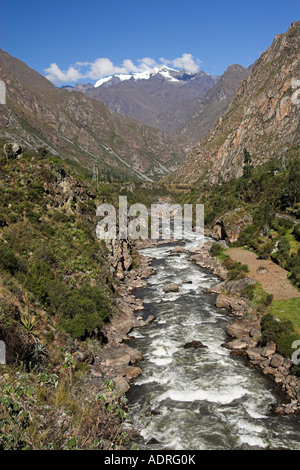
236 270
281 332
296 232
84 310
216 249
9 261
248 236
249 291
265 250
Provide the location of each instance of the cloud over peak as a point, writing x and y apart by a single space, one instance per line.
103 67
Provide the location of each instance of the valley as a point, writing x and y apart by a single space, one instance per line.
138 345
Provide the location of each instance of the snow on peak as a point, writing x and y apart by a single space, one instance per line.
164 71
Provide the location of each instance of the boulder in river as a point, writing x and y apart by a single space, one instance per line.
194 344
171 287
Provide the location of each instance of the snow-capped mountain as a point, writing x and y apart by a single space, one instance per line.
146 95
167 73
168 99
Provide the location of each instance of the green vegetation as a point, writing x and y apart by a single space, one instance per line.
259 298
56 293
270 193
288 310
236 270
281 332
47 411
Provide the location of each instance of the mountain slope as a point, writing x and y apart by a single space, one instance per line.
80 128
263 117
215 102
146 97
196 117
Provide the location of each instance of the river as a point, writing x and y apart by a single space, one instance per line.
198 399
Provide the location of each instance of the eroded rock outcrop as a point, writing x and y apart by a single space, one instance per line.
229 225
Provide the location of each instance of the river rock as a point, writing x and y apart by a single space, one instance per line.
238 305
236 345
276 360
194 344
241 328
115 357
178 249
255 356
132 372
269 349
140 323
171 287
235 287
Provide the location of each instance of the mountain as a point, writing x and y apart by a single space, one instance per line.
80 128
263 117
208 109
196 117
170 75
174 101
145 96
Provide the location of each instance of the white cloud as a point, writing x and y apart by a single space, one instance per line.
55 74
187 62
103 67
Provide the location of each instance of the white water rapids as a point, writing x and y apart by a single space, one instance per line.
196 399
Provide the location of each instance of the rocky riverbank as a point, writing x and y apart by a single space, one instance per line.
118 362
245 331
121 363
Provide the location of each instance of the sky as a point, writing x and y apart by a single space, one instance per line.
71 41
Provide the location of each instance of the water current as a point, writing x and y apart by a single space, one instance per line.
198 399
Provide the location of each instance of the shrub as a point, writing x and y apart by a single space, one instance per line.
8 260
296 232
249 291
281 332
84 310
236 270
216 249
265 250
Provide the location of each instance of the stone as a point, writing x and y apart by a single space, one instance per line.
276 361
236 344
238 305
178 249
229 225
132 372
171 287
255 355
115 357
122 384
194 344
240 328
269 349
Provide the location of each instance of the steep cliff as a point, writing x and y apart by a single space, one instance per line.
263 117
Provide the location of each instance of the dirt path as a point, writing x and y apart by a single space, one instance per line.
272 277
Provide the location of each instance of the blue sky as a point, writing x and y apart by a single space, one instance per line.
76 40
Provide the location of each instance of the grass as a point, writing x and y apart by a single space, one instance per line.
287 310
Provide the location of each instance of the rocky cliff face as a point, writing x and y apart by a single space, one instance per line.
80 128
263 117
207 110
